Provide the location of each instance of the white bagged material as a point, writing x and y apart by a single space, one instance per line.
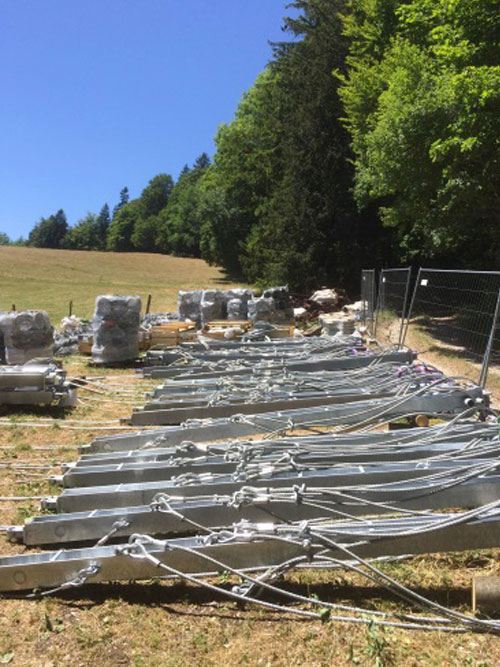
69 324
358 309
337 323
325 297
116 328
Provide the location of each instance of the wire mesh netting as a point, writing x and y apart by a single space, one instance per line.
368 296
392 305
452 314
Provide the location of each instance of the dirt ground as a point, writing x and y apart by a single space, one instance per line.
167 623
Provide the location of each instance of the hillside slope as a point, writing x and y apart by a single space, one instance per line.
48 279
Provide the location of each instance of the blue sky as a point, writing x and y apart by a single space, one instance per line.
98 94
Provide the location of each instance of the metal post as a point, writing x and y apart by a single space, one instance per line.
487 354
363 294
71 308
148 304
400 341
374 296
410 310
380 301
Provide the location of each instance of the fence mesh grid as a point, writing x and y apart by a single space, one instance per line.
452 315
368 296
392 305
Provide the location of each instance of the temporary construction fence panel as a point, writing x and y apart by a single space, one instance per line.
454 315
392 305
368 296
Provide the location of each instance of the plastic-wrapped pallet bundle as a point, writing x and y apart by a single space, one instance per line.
189 305
237 309
27 335
283 304
213 305
273 306
237 303
261 309
116 328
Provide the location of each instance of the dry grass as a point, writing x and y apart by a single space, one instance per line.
167 623
49 279
445 358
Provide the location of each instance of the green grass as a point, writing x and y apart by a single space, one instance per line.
49 279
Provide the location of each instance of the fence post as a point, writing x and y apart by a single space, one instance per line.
380 301
148 305
487 353
410 310
374 297
408 281
71 308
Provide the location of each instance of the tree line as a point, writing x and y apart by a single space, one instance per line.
160 220
372 137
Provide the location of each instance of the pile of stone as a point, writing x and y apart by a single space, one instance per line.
116 329
25 335
72 329
155 319
202 306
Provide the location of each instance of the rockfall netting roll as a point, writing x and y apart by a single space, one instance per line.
26 335
116 328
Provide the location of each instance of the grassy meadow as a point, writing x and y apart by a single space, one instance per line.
48 279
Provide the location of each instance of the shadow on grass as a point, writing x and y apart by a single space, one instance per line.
230 277
455 336
15 411
157 595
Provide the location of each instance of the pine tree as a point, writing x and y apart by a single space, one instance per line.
103 222
124 198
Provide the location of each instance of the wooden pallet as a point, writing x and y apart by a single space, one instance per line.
217 329
282 331
245 325
85 345
171 333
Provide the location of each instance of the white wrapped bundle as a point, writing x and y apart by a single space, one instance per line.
262 309
188 303
283 310
116 328
237 303
337 323
237 309
26 335
213 305
273 306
